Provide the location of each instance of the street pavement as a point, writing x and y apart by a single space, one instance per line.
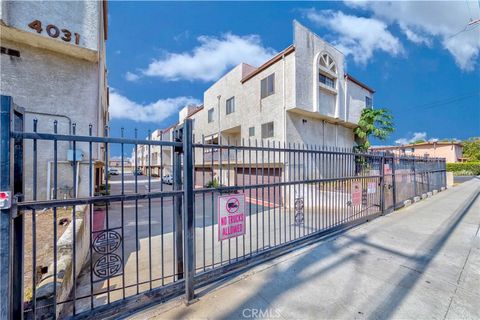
462 179
421 262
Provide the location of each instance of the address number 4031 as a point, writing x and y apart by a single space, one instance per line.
54 32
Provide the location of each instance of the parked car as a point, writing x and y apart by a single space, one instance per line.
167 179
113 171
137 172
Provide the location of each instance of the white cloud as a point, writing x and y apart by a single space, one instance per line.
357 36
211 59
415 36
416 136
424 21
123 108
129 76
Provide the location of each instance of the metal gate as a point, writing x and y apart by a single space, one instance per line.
81 240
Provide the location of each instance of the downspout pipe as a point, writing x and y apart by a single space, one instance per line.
58 116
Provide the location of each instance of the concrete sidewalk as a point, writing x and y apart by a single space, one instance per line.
421 262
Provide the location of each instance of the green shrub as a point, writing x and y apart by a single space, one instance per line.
104 190
463 173
212 183
464 168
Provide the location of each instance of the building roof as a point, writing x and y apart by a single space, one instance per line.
427 143
267 64
286 52
168 128
361 84
195 110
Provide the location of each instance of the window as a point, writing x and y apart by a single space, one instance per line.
329 82
231 105
267 130
267 86
368 102
327 62
210 115
251 131
193 124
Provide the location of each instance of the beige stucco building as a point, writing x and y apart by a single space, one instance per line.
451 151
158 158
303 95
53 66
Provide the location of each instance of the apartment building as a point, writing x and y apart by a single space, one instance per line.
450 150
301 96
53 66
158 158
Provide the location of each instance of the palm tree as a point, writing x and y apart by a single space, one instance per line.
373 122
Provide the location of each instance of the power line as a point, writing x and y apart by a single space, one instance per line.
443 102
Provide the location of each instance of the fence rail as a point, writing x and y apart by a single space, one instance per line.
113 239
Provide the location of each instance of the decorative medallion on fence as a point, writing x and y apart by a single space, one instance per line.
299 216
108 263
231 216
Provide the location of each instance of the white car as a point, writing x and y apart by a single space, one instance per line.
167 179
113 171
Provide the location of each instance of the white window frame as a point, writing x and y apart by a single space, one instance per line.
267 86
230 105
211 112
250 133
268 132
368 105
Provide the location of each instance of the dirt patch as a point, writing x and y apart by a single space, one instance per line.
44 242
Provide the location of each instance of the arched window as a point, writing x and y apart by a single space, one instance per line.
328 63
327 71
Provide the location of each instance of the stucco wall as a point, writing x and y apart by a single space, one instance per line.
308 47
450 152
77 16
356 101
48 81
250 109
307 130
43 81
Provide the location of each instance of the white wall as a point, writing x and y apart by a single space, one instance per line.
77 16
356 101
308 47
60 85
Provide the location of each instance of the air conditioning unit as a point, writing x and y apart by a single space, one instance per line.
78 155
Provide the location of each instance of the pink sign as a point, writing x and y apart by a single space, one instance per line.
356 193
231 216
387 169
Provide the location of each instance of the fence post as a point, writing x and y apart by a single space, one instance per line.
394 184
18 217
5 214
444 172
382 184
177 183
428 173
414 178
188 196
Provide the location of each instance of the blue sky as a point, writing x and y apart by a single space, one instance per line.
420 57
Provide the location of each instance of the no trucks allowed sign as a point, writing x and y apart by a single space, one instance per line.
231 216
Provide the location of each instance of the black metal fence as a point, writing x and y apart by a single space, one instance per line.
113 242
